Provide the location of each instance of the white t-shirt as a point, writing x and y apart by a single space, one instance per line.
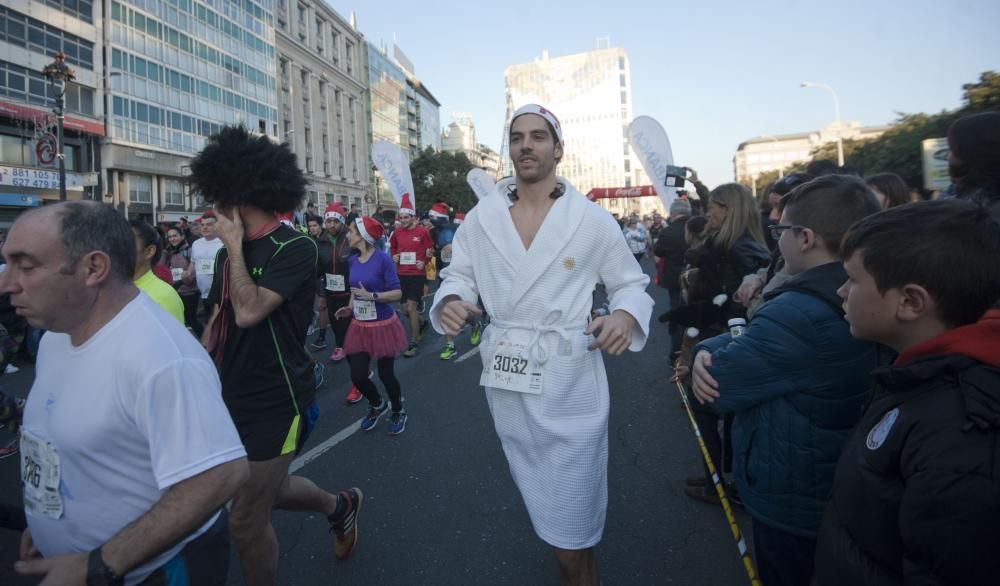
203 253
134 410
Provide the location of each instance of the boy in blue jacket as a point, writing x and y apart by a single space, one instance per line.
796 380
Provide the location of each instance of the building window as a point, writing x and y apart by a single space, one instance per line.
39 37
621 63
335 46
173 192
349 57
624 98
140 189
621 80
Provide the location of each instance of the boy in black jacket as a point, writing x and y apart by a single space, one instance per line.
916 496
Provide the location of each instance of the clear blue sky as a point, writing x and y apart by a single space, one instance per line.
713 73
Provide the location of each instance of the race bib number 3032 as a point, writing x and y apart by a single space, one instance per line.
40 474
511 368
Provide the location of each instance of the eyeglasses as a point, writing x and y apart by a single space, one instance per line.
777 229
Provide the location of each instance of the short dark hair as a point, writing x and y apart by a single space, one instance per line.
949 247
821 167
314 218
237 168
829 206
975 141
892 186
86 226
696 225
148 236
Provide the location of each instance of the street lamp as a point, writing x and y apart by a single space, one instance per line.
58 74
836 113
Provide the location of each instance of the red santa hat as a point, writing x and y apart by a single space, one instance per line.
459 217
439 210
334 210
369 228
287 219
209 213
406 205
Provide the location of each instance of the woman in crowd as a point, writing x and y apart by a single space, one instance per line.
890 189
734 248
177 258
148 247
375 332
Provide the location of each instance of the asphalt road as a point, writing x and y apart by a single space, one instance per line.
440 505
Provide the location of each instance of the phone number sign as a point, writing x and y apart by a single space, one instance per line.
37 178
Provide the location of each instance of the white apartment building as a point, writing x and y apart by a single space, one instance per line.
321 94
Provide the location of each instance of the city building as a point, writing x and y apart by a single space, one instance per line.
401 109
178 71
32 32
766 153
591 93
460 136
322 87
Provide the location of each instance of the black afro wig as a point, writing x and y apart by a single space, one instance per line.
236 167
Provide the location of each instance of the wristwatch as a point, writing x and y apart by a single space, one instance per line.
374 296
99 573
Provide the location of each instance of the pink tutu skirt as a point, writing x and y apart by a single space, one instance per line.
378 339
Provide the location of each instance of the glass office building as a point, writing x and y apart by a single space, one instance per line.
591 93
178 70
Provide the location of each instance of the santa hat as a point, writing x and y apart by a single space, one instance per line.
439 210
459 218
334 210
369 228
208 214
287 219
406 205
544 113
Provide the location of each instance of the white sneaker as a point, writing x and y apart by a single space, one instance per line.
11 369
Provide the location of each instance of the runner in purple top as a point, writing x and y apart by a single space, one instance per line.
375 332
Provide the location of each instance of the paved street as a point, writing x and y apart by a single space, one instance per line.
441 507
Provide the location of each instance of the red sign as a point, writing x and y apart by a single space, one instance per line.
25 113
615 192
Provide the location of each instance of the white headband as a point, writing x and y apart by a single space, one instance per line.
544 113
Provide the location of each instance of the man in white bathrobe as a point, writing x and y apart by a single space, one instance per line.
534 250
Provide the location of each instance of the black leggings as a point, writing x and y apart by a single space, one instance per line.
191 312
360 363
339 326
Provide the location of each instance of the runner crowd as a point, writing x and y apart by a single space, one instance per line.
838 337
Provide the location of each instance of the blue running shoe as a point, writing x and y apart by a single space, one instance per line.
397 422
374 414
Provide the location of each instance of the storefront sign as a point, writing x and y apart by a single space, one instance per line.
19 201
935 159
35 178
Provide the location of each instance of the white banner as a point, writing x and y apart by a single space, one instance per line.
37 178
480 182
650 143
395 169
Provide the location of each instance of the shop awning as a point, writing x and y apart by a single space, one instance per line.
70 123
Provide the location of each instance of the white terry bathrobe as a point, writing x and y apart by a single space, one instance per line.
556 442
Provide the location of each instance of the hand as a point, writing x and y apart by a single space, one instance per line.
395 258
64 570
681 371
616 332
342 313
706 388
230 230
28 550
751 287
361 293
456 313
693 175
420 265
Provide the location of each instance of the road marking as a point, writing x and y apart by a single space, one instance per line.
324 447
468 354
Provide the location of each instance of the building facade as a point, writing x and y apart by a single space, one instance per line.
766 153
322 88
32 32
179 71
591 93
460 136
